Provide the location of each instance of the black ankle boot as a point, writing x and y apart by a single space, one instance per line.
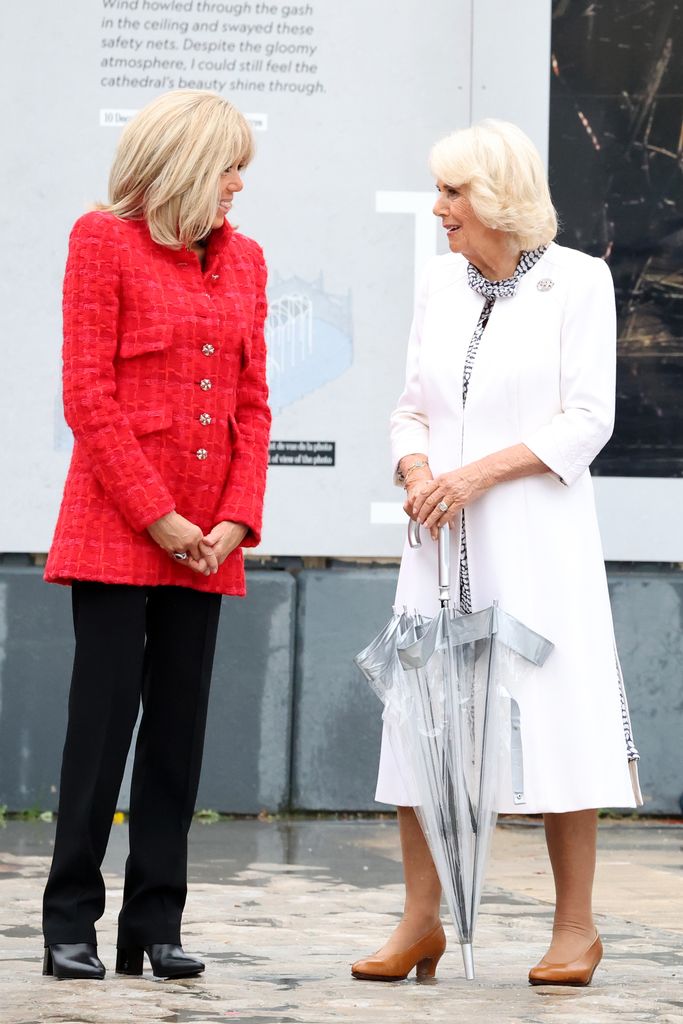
73 960
167 960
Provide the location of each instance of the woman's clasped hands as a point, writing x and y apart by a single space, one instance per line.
438 501
205 553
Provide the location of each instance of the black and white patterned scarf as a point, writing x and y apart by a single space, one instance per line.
507 288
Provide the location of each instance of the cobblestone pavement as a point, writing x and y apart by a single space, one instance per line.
278 910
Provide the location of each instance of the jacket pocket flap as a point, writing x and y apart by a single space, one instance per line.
149 339
146 421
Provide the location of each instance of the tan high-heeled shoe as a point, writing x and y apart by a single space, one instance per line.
423 954
576 972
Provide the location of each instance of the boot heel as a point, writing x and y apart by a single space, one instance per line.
75 960
47 962
427 968
129 960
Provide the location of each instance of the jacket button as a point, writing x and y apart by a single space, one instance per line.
205 384
208 350
205 419
202 454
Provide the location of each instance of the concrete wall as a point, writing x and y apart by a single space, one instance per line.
648 622
292 723
337 717
247 763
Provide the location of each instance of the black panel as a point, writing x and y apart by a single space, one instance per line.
616 169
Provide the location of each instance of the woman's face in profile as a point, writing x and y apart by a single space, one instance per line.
230 182
464 230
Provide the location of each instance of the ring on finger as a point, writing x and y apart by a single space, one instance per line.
180 556
442 506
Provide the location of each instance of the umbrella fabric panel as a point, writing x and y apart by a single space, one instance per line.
381 667
376 660
396 777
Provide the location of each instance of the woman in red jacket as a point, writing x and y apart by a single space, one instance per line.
165 391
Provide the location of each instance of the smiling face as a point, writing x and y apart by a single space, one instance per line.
230 182
466 233
494 252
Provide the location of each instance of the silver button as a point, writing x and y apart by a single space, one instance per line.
208 350
545 284
202 454
205 384
205 419
214 277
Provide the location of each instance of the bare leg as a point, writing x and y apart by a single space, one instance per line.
572 839
423 889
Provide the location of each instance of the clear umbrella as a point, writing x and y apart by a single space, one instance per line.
452 718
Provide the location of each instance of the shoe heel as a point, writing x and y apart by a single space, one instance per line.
47 963
427 968
129 960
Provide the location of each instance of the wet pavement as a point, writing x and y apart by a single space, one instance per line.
278 910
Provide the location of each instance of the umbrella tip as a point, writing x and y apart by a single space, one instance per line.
468 960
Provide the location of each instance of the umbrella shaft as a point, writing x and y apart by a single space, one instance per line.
444 566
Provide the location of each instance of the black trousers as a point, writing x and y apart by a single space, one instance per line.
132 643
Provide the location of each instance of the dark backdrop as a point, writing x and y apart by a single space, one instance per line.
616 151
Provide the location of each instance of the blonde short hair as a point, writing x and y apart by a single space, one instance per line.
501 172
169 160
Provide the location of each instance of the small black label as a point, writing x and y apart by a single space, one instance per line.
302 453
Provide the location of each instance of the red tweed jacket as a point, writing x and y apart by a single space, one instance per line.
165 391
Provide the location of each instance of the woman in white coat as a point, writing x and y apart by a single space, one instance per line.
509 397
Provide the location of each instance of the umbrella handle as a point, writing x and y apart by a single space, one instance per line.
415 541
414 534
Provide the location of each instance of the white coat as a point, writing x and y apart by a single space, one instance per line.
544 375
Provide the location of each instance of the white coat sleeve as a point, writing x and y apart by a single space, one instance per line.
409 421
571 440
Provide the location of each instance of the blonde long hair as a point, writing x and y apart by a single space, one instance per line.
169 160
502 174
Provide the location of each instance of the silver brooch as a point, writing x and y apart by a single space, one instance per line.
545 284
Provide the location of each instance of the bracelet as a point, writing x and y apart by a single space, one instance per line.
402 477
